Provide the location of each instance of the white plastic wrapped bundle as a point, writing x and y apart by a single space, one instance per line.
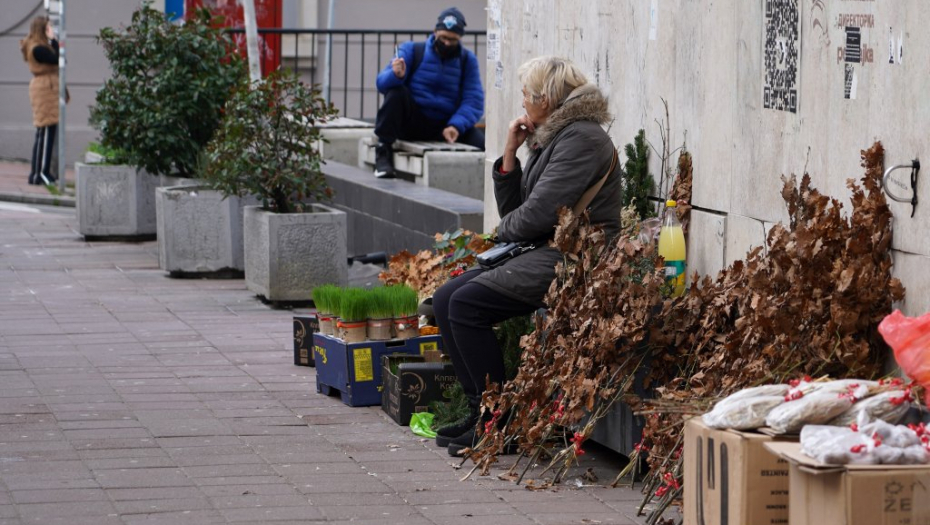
872 444
756 391
897 436
746 409
856 386
837 445
888 406
745 414
812 409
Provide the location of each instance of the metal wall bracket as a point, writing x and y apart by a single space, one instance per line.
915 169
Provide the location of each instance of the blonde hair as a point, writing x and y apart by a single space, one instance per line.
35 37
552 78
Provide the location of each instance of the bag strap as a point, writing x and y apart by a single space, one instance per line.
589 195
419 49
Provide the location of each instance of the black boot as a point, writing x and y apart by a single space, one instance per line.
472 437
467 440
444 435
384 161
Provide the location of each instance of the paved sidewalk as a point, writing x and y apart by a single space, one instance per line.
128 397
15 187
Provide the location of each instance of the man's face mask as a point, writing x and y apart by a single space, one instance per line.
445 50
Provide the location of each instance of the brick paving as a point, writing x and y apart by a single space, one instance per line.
128 397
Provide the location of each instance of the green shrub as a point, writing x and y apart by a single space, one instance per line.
266 145
169 83
638 182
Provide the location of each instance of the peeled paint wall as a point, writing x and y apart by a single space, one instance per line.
706 60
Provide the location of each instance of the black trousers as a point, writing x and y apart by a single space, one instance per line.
400 118
42 150
466 313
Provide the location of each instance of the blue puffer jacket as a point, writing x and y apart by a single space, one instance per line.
434 86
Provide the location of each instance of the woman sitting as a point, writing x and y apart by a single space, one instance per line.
569 152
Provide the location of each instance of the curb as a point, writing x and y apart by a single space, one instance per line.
50 200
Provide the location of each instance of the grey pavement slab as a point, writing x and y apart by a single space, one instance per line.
128 397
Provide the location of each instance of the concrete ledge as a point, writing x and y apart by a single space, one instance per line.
342 136
393 215
458 168
30 198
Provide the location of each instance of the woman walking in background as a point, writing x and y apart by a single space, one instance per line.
40 51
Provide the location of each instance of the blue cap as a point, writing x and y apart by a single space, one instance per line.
451 20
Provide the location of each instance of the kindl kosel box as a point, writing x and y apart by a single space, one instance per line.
411 383
304 328
731 479
822 494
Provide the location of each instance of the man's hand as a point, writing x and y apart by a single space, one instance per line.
399 67
450 134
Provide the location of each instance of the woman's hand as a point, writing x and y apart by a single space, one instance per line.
517 131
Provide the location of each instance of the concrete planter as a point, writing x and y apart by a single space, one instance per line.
117 201
199 231
287 255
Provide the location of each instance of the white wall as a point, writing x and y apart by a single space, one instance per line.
706 59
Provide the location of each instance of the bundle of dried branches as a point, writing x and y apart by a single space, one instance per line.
428 270
809 304
681 190
582 357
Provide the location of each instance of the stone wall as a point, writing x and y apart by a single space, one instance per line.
707 60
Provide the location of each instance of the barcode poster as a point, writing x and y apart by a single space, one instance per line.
781 51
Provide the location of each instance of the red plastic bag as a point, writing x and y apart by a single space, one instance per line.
909 337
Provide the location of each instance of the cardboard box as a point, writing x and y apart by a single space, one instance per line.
824 494
731 479
354 369
415 385
304 328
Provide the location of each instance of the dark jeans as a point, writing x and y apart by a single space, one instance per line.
400 118
466 313
42 150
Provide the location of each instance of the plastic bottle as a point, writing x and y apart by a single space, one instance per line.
672 249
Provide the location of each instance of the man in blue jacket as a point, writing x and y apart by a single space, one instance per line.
432 91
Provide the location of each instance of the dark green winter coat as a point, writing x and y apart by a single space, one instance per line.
568 154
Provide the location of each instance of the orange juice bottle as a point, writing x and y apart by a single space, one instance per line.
672 249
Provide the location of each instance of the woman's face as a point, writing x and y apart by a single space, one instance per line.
538 111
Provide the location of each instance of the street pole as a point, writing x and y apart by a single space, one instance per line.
251 39
62 96
327 71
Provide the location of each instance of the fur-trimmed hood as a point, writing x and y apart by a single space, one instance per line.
584 103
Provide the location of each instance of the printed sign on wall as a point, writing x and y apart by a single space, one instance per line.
781 51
